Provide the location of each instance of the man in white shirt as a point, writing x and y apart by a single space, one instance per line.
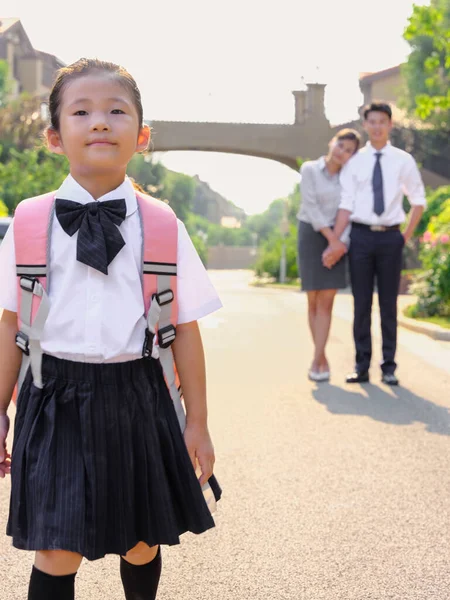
373 185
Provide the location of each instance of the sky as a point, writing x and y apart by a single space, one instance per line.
232 61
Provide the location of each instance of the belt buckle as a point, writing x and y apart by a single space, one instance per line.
377 228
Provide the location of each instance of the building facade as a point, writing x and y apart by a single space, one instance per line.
30 70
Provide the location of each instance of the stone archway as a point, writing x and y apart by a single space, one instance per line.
306 138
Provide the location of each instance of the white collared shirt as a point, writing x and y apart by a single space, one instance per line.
100 318
401 177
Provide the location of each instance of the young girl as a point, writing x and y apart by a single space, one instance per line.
99 463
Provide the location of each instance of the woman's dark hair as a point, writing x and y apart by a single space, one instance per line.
381 107
86 66
349 134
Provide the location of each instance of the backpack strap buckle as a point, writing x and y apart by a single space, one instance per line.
166 336
28 284
148 343
23 342
164 297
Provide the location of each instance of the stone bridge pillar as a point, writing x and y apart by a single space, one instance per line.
310 103
300 106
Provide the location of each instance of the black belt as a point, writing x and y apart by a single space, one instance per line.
376 227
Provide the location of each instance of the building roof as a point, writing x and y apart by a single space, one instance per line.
51 58
365 78
14 24
7 22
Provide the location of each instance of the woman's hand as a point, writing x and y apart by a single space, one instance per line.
200 449
5 459
333 253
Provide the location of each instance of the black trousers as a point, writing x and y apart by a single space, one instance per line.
375 254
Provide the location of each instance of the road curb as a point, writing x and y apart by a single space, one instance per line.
433 331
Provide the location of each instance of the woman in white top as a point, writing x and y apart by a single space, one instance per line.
320 196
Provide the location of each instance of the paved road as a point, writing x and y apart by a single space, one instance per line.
331 492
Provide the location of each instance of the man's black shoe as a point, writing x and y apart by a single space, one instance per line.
389 379
357 377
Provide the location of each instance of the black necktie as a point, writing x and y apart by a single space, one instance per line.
99 239
377 185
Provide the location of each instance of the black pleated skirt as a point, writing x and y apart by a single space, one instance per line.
99 462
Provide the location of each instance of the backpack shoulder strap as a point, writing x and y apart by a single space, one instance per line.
159 257
160 249
31 235
32 220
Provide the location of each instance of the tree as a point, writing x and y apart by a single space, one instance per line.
147 173
178 189
175 188
427 72
30 173
4 82
264 224
21 124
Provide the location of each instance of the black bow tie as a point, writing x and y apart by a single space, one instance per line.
99 239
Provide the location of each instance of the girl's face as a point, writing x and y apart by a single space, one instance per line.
341 151
99 126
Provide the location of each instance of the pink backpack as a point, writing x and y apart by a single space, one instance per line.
32 238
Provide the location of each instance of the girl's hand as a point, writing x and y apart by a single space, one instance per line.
5 462
200 449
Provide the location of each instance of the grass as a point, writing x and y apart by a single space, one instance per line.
441 321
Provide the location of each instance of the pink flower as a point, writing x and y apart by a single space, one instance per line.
434 243
445 238
427 236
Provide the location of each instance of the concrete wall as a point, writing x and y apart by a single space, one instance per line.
231 257
29 72
387 89
433 180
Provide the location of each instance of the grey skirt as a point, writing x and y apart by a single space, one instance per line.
313 275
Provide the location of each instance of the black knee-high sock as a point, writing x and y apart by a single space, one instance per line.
140 582
51 587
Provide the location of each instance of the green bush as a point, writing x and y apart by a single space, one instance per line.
435 202
432 286
268 263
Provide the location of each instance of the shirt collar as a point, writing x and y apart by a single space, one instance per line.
322 164
72 190
373 150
